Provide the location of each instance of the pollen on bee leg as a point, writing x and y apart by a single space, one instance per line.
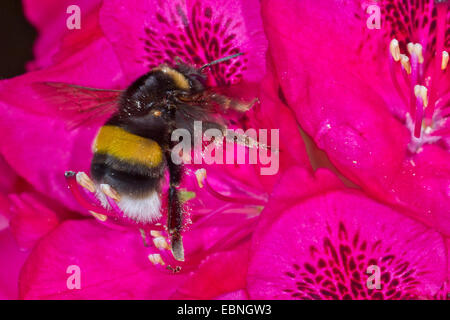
200 174
394 48
155 258
445 57
84 181
110 192
158 240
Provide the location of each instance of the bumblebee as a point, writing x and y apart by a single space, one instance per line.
132 150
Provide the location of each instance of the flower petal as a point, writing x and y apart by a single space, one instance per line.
355 115
50 17
47 148
225 270
12 259
156 32
327 246
112 264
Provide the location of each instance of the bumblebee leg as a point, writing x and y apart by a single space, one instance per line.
175 214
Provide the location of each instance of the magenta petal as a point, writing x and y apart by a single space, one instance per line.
32 217
235 295
48 149
423 185
9 183
12 259
156 32
225 270
356 116
113 265
49 17
342 113
321 249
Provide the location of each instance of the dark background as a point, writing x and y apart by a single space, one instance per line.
16 36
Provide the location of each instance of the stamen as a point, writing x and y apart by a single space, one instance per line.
418 51
84 181
200 174
404 60
441 7
110 192
394 48
161 243
99 216
155 258
395 57
73 187
445 57
410 47
421 94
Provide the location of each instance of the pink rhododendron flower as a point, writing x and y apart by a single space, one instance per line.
116 265
327 245
12 259
232 193
145 34
297 234
49 18
361 94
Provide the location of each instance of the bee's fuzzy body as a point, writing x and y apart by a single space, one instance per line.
132 150
133 166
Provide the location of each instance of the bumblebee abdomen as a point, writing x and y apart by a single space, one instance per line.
131 164
127 147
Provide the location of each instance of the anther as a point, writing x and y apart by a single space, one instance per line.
200 174
110 192
422 92
444 60
99 216
84 181
404 60
394 48
418 51
155 258
161 243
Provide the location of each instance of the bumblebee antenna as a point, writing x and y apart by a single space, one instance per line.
221 60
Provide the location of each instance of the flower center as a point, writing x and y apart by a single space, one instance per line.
424 68
196 37
339 269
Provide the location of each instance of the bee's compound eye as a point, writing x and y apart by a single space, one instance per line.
156 113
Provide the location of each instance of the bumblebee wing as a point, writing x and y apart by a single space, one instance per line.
77 105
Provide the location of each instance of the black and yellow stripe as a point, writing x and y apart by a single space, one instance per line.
131 164
123 145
